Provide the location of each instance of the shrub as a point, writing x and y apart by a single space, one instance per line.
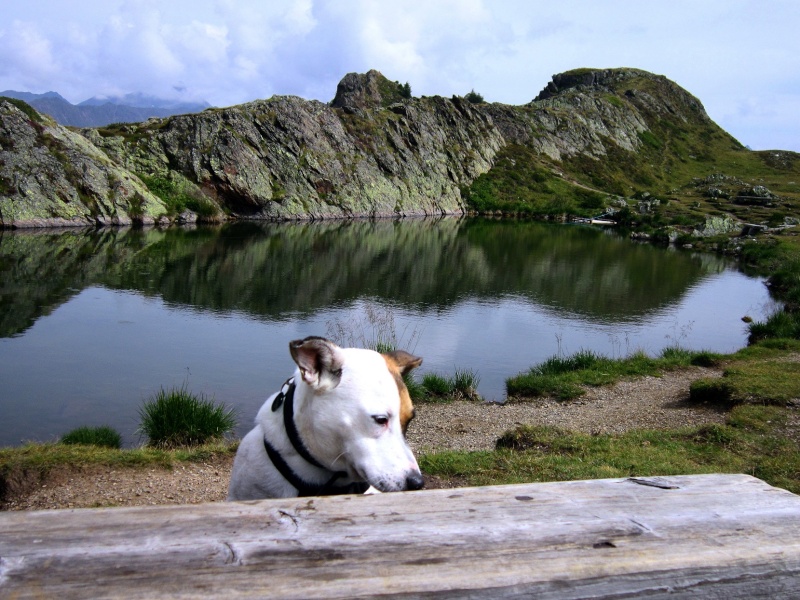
104 436
474 97
179 418
29 111
651 140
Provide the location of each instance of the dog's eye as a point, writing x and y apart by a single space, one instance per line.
380 419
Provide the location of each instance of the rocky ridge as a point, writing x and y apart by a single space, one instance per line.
372 151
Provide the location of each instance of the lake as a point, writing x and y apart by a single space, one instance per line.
94 322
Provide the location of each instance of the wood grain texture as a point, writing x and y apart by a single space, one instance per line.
701 536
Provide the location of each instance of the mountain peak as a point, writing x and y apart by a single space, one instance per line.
29 96
357 91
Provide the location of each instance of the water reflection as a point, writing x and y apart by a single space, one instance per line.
270 270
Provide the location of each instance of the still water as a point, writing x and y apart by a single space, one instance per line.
93 323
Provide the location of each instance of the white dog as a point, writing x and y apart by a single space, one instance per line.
336 427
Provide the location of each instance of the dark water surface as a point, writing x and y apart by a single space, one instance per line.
93 323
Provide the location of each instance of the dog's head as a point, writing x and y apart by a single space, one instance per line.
353 409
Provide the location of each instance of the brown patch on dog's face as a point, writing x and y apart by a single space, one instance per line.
400 363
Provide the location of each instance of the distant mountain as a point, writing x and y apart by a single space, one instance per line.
139 100
100 111
29 97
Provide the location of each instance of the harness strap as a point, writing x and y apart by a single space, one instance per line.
291 428
285 399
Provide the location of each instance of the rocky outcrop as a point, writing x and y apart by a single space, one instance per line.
588 112
50 175
373 151
357 92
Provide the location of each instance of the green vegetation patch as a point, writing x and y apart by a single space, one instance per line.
564 377
462 385
177 199
23 468
521 182
752 441
651 140
102 436
772 381
26 108
474 97
178 418
393 91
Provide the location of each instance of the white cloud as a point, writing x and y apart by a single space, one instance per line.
25 53
728 53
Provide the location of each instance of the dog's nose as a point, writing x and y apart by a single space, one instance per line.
415 481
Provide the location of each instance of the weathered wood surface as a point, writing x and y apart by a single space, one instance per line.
704 536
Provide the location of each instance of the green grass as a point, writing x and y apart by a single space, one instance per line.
178 418
752 441
26 108
42 457
520 182
767 382
23 467
564 377
462 385
177 199
691 165
103 436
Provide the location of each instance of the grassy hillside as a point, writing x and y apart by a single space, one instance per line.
682 160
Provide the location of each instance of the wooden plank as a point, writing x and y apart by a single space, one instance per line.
704 536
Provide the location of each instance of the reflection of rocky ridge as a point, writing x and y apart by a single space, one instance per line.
372 151
269 270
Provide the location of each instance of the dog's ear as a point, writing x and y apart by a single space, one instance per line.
404 361
320 362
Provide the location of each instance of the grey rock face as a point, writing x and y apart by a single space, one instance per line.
50 175
370 152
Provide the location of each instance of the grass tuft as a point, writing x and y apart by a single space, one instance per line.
564 377
104 436
177 418
462 385
711 391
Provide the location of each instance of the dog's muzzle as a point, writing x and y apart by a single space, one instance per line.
415 481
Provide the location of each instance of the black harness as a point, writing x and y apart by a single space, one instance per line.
285 400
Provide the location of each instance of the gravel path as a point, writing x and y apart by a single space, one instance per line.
648 402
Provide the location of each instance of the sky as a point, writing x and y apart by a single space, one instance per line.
741 58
